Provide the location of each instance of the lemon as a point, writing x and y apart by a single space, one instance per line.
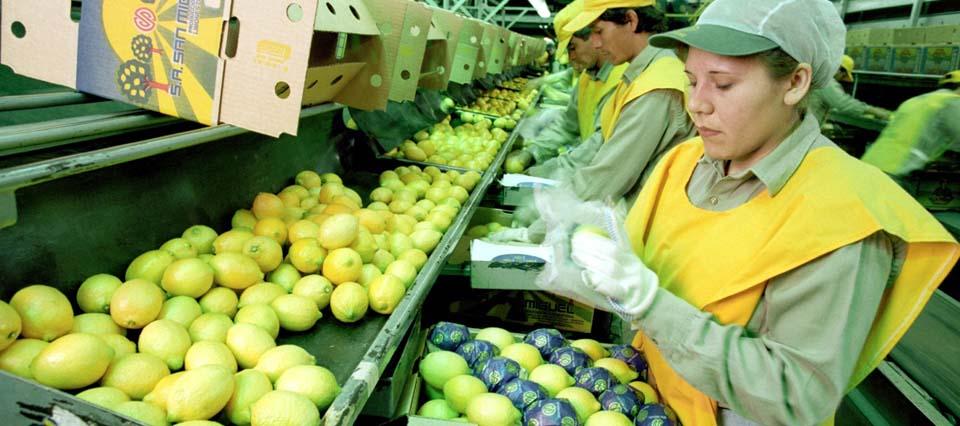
527 355
316 383
249 386
277 360
342 265
121 345
302 229
308 179
437 409
383 258
45 313
96 324
331 177
232 241
261 293
210 326
158 396
401 223
381 194
243 218
371 220
552 377
272 227
265 251
404 270
260 315
136 303
649 393
94 294
438 367
459 390
199 423
187 277
608 418
179 248
316 288
330 191
10 325
299 190
16 359
280 408
248 342
199 394
307 255
492 409
286 275
384 293
166 339
365 245
415 256
618 368
72 361
209 353
149 266
200 237
296 313
181 309
266 204
104 396
220 300
367 274
235 270
135 374
425 239
146 413
400 243
591 347
338 231
349 302
583 402
289 198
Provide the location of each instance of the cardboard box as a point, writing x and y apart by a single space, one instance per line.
497 61
525 308
485 56
441 49
482 216
512 266
943 34
938 60
464 66
30 27
859 55
518 189
879 58
880 36
858 37
909 36
907 59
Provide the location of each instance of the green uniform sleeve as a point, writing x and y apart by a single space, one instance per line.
792 363
834 100
565 130
648 127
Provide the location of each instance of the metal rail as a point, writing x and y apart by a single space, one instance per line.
43 100
33 136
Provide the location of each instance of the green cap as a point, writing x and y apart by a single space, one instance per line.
810 31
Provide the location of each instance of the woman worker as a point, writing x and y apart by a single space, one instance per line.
770 272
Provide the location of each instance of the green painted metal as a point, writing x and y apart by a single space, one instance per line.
27 137
42 100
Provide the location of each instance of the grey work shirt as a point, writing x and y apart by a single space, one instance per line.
832 99
792 362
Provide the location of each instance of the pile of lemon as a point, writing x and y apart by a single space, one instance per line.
472 145
206 308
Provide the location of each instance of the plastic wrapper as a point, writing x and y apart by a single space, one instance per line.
523 393
497 371
622 399
595 379
533 125
551 412
546 340
654 415
563 213
632 357
571 359
476 352
448 336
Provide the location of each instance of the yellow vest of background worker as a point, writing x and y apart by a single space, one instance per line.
664 73
721 261
589 94
897 143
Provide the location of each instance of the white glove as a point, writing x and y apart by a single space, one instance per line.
510 235
615 273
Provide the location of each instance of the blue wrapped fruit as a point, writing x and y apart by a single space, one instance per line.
550 412
632 357
448 335
497 371
622 399
546 340
653 415
571 359
522 393
475 352
595 379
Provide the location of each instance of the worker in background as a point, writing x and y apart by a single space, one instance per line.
832 99
921 130
598 78
754 301
642 120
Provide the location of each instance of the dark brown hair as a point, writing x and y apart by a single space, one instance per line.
651 19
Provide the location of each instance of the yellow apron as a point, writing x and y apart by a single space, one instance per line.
720 262
589 94
898 141
664 73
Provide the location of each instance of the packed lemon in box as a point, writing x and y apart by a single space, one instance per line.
497 378
190 332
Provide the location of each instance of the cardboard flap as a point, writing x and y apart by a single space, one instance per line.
466 52
435 33
324 82
39 40
263 82
345 16
406 45
436 69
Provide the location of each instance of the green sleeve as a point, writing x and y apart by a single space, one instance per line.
837 101
563 131
792 363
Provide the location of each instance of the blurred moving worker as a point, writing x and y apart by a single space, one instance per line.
598 79
921 130
832 99
754 301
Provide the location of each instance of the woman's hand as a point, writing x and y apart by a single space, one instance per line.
615 273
